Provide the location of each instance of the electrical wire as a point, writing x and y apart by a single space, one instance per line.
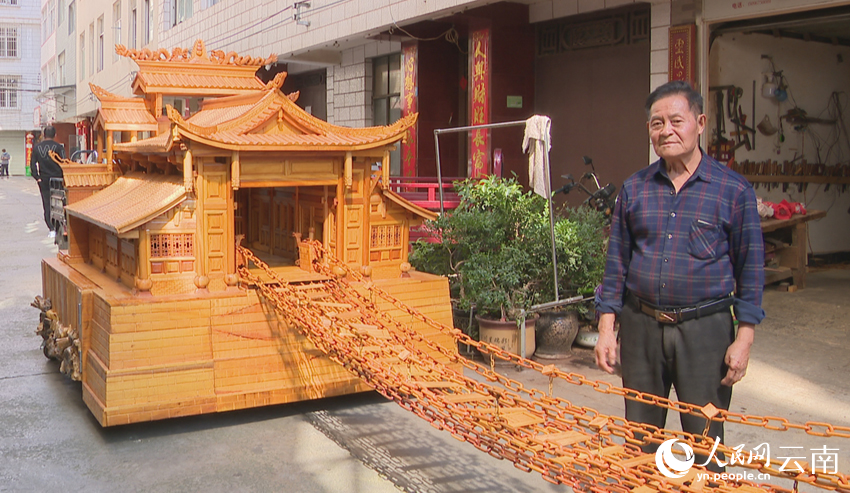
451 35
212 42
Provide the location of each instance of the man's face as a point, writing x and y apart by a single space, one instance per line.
673 128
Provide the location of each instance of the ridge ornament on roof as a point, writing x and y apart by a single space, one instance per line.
198 54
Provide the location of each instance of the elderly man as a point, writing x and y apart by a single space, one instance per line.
686 246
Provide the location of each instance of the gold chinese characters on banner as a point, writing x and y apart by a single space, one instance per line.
479 146
408 107
682 49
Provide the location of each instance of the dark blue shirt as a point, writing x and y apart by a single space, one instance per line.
678 249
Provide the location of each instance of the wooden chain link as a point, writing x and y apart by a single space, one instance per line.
565 443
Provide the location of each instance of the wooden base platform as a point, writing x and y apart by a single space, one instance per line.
149 358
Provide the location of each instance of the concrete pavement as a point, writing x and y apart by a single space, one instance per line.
362 443
50 441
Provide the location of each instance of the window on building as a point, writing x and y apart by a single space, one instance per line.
91 49
44 21
100 44
386 98
51 17
9 85
72 17
116 27
134 21
60 69
147 25
51 74
82 56
8 42
60 13
8 2
180 11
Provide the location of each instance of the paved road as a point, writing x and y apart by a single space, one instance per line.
50 441
361 443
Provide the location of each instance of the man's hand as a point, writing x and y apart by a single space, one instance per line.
738 354
606 346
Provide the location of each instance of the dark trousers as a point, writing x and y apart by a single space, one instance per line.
44 188
689 356
4 169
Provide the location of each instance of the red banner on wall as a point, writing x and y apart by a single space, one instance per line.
479 140
683 53
409 106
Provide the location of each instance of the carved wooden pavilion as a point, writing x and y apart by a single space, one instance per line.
149 281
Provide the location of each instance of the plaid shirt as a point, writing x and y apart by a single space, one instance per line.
678 249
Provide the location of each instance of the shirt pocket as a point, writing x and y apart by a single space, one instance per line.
703 239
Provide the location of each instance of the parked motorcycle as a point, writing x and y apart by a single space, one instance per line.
601 198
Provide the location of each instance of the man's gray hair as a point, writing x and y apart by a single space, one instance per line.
676 88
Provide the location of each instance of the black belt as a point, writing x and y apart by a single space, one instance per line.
675 315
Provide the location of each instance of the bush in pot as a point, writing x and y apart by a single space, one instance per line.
581 246
493 247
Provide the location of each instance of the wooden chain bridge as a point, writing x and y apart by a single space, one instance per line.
564 442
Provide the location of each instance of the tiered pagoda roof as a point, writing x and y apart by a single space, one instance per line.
120 113
195 72
267 120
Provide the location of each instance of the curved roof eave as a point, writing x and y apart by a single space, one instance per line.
281 147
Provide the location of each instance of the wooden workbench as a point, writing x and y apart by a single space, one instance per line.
793 254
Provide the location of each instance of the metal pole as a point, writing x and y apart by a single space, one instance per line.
438 131
478 127
521 321
439 169
551 212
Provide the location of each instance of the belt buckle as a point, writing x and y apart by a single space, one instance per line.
666 317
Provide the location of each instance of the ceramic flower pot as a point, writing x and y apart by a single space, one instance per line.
556 332
506 335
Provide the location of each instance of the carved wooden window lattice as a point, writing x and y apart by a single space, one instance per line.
621 28
388 236
170 245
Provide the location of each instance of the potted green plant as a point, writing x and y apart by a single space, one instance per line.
495 248
581 246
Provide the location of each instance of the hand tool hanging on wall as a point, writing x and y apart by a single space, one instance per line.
737 116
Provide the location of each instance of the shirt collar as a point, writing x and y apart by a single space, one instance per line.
704 170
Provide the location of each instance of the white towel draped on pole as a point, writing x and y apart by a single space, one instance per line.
536 132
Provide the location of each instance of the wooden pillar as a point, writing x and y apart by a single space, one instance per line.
235 171
109 137
201 280
143 259
188 172
100 145
340 220
385 169
143 283
326 233
348 171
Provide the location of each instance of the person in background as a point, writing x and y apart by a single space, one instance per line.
685 253
4 163
44 168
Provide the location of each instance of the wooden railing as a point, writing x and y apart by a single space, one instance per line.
424 191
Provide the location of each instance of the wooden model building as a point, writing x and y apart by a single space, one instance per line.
147 305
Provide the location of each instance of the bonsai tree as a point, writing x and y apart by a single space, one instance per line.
494 247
